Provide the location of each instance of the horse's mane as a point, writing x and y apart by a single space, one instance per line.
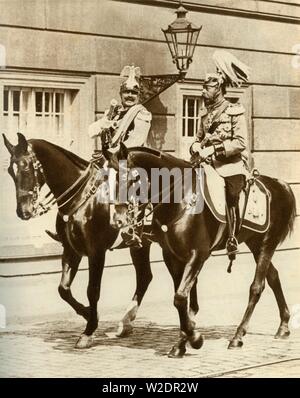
162 155
78 161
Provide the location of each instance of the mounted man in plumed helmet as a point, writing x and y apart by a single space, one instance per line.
222 136
128 122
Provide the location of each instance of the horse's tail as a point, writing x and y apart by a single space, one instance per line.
290 212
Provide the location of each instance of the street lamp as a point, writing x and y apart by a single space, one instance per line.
181 37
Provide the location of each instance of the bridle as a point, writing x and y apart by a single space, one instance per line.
39 206
45 204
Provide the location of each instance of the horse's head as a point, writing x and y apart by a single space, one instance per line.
26 171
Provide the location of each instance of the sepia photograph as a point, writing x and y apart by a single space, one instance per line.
150 174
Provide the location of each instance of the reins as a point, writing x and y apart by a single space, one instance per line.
44 205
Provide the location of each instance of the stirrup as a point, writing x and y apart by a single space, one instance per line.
232 250
232 247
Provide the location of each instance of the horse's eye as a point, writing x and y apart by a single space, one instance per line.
24 165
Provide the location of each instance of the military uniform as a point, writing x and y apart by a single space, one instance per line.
223 131
225 128
135 129
130 125
127 123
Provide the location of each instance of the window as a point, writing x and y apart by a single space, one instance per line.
190 115
38 112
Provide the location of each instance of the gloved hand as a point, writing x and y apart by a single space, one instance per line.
102 124
200 154
204 153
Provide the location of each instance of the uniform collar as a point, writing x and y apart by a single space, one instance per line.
216 105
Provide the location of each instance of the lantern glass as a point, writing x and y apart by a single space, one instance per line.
181 37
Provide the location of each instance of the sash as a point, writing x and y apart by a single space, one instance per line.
125 123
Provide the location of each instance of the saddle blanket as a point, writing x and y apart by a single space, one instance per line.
257 212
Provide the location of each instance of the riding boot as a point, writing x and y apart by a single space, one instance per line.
232 243
132 234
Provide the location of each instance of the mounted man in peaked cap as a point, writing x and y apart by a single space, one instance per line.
129 122
222 136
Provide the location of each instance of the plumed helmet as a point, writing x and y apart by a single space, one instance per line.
231 71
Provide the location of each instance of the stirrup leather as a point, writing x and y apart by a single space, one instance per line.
232 242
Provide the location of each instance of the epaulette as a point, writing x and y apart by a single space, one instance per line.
202 112
235 109
144 115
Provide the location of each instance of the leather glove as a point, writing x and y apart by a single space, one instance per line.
200 154
102 124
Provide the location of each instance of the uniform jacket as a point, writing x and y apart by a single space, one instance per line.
225 128
137 132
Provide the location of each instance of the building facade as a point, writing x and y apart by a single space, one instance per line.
60 64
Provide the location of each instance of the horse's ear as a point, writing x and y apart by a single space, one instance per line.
8 145
22 143
123 152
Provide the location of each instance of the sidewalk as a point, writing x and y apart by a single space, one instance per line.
41 331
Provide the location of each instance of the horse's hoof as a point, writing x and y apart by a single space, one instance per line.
196 340
84 341
235 343
124 330
282 333
177 352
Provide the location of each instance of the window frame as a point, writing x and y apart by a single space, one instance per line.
39 81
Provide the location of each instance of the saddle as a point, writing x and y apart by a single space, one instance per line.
254 204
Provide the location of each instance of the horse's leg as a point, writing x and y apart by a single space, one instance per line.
264 257
70 263
141 262
96 265
194 307
187 325
274 283
175 269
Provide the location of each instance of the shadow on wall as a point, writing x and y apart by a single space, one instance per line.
158 131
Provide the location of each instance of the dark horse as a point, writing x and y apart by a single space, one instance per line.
86 232
186 240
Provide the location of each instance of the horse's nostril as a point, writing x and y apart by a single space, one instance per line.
119 223
26 215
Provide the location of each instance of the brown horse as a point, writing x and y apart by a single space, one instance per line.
186 240
83 223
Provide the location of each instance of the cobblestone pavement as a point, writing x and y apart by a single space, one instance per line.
43 345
